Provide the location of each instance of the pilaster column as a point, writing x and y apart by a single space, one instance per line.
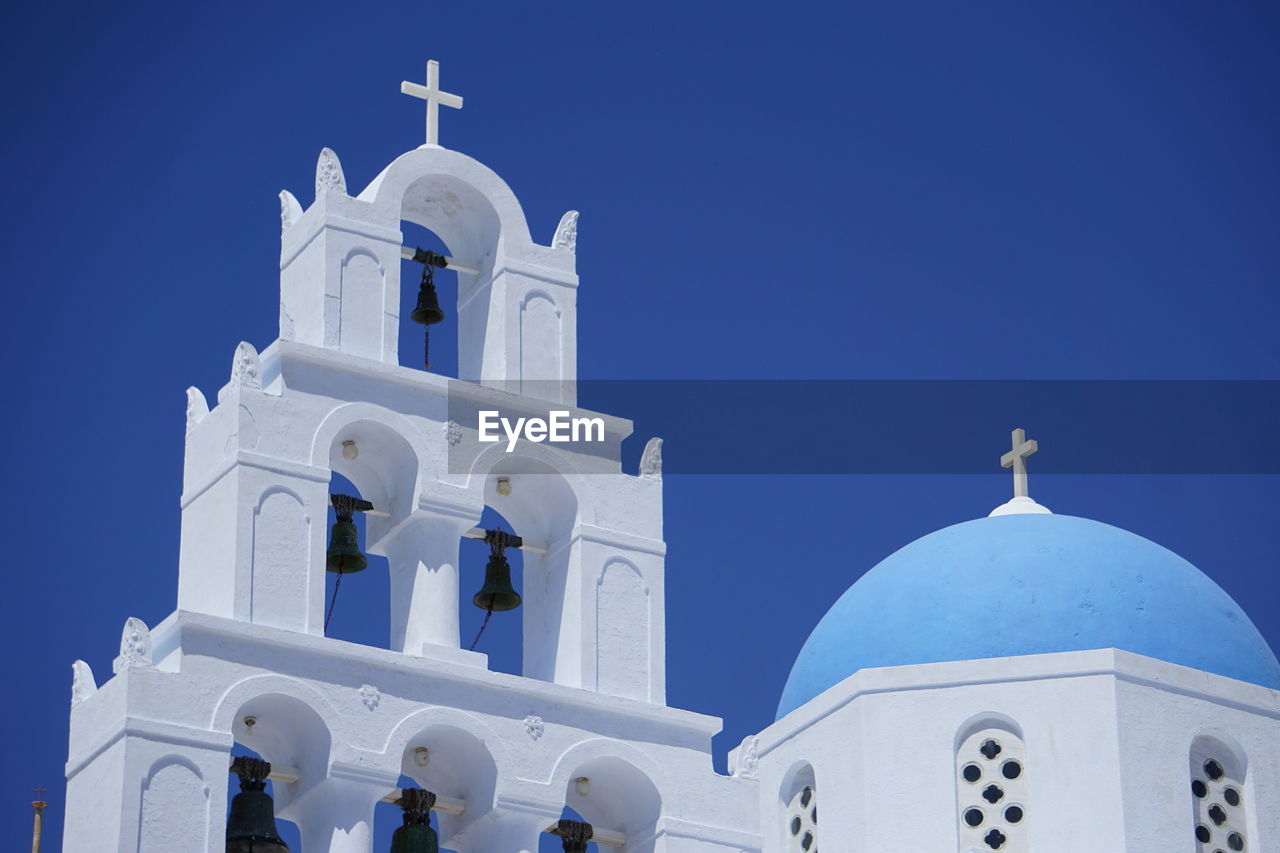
336 816
422 553
505 830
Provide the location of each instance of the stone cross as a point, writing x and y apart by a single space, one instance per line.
434 97
1017 460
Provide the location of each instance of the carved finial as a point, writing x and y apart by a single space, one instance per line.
244 367
567 232
747 763
82 684
329 174
135 646
651 459
290 210
197 407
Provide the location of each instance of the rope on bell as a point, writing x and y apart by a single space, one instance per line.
574 834
344 506
428 310
499 541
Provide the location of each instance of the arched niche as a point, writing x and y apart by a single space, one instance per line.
622 616
281 535
360 322
174 809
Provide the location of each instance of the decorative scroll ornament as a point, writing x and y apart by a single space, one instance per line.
290 210
370 696
453 433
135 646
567 232
533 726
329 174
651 459
197 407
245 371
748 763
82 684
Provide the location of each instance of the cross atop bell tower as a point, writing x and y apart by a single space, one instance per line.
434 97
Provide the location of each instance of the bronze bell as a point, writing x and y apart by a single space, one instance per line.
428 311
416 835
497 593
251 825
344 555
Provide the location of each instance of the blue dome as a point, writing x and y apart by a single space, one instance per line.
1029 584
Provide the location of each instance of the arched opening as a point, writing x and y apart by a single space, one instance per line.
443 335
502 635
370 459
355 603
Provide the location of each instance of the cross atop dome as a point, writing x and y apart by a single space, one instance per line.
1016 459
434 97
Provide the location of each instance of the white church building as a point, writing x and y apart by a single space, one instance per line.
1023 682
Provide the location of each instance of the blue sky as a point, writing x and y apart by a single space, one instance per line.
906 190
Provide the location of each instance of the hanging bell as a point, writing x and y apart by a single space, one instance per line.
416 835
251 825
497 593
428 311
344 555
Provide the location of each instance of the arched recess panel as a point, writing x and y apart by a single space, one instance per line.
281 546
622 632
175 810
540 345
361 311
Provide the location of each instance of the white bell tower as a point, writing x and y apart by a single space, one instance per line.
244 658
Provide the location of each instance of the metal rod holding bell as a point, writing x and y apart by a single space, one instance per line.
413 253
